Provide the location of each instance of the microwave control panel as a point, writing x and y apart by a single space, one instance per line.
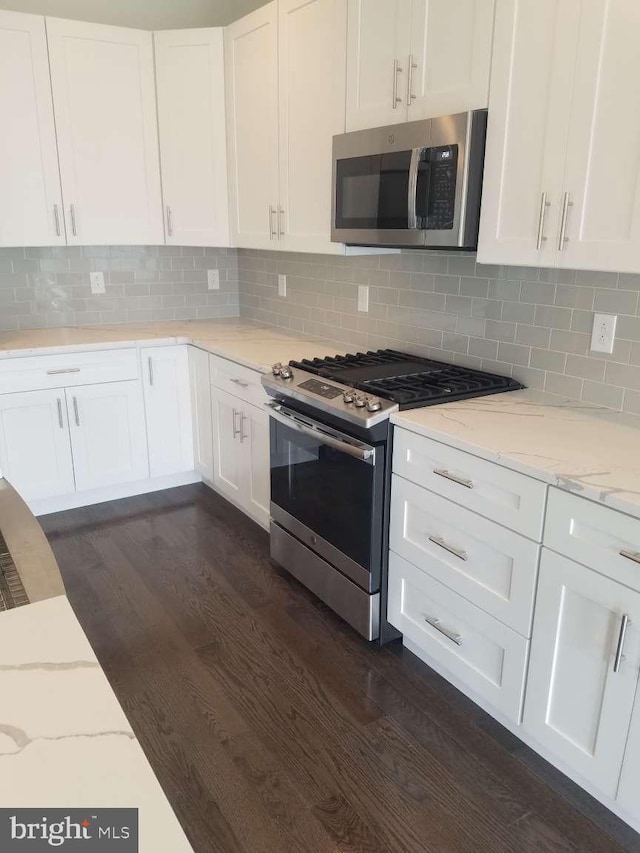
437 174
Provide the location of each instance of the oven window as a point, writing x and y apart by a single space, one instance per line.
372 192
330 492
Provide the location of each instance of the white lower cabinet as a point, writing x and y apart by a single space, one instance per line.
201 412
35 452
108 435
629 788
241 453
165 377
486 658
583 672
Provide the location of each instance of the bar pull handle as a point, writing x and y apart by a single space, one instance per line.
544 204
76 412
450 635
150 364
280 221
620 647
397 69
169 223
60 416
413 65
236 431
63 370
243 435
566 204
273 234
630 555
457 552
72 213
240 383
56 220
447 475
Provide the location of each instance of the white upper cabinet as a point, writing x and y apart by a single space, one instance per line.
311 51
193 143
529 108
450 58
105 107
30 197
602 181
414 59
251 61
583 670
379 33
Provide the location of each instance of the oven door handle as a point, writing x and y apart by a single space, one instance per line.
412 218
357 449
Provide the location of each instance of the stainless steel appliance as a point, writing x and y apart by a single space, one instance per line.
414 185
330 456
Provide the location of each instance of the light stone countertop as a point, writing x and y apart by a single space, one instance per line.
248 343
591 451
64 739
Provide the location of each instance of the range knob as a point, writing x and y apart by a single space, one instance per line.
286 372
374 405
276 369
348 397
360 402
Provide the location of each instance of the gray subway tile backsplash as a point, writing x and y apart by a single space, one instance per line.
534 324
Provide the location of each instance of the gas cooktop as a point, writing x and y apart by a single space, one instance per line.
407 380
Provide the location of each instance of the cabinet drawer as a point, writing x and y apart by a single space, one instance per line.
38 372
497 493
444 629
237 380
596 536
489 565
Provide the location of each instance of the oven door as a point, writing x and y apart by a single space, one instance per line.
327 489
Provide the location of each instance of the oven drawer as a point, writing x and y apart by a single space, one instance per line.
39 372
511 499
486 659
237 380
597 536
489 565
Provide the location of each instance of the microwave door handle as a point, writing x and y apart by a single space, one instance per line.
416 154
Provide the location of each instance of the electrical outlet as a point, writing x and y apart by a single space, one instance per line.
282 285
604 332
96 279
213 279
363 297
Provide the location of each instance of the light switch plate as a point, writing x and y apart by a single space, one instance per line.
213 279
604 332
282 285
96 280
363 297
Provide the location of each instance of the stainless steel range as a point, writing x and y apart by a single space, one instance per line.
330 450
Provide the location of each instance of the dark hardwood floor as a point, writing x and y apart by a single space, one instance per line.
271 725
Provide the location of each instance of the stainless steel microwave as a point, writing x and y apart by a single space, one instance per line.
410 185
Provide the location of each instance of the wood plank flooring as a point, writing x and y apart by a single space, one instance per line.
271 725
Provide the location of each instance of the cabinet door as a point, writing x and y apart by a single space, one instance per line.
628 790
311 49
35 453
201 411
529 109
579 696
30 197
450 57
378 45
108 435
226 414
255 460
251 60
603 163
165 372
193 141
105 107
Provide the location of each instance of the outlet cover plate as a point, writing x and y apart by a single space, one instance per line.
282 285
96 280
213 279
363 297
604 332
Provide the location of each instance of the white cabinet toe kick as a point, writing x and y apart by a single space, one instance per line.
528 602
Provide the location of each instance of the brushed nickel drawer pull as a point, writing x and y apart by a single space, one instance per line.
240 383
630 555
620 647
450 635
243 435
457 552
63 370
76 411
60 418
150 371
236 432
442 472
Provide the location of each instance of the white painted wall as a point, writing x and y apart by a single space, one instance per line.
147 14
